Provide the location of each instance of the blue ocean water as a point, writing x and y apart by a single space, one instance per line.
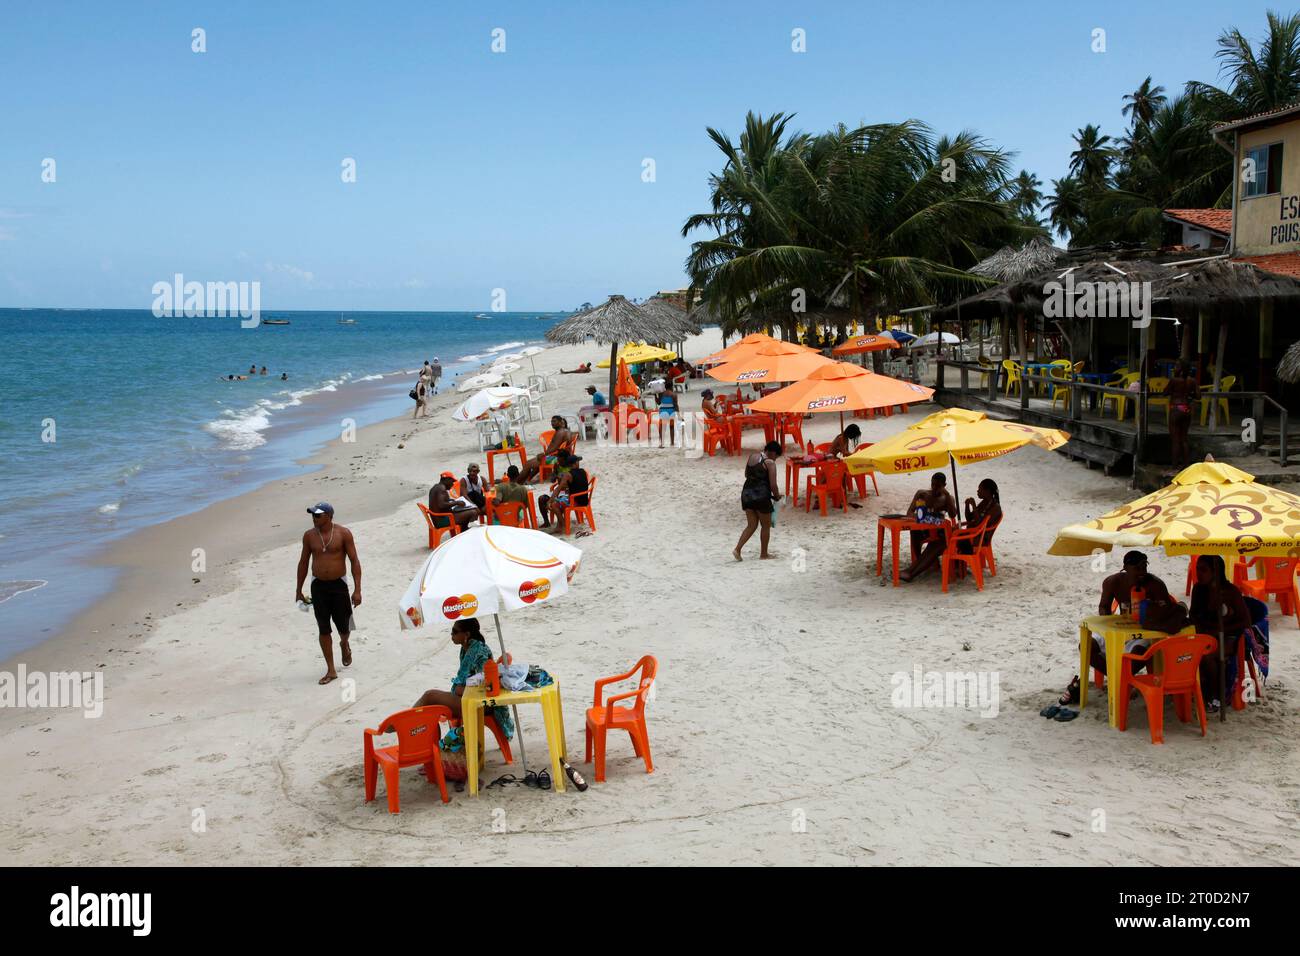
111 420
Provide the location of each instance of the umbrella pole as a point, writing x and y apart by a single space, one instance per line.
956 495
1223 673
519 729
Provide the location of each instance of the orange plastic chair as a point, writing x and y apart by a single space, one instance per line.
861 480
602 717
989 563
583 511
831 489
436 533
717 434
1278 582
512 514
418 733
1182 657
516 448
953 553
793 423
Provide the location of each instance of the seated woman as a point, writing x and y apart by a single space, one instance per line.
474 653
989 506
708 406
1216 604
841 447
570 479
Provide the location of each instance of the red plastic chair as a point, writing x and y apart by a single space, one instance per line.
436 533
516 448
1278 582
717 434
418 733
861 480
1182 657
603 717
830 490
953 552
583 510
548 471
792 423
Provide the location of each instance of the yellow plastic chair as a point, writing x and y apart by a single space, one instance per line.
1154 385
1225 384
1060 393
1121 401
1013 376
986 369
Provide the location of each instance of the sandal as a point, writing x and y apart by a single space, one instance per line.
540 780
502 780
1065 714
1051 710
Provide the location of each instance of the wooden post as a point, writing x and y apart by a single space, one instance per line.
1202 343
1265 382
1020 337
1218 372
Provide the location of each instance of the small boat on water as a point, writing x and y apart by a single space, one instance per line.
275 321
482 316
347 321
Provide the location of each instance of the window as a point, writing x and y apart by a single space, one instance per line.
1262 171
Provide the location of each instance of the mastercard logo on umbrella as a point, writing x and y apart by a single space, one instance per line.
464 606
538 590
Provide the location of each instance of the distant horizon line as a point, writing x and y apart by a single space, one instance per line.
265 312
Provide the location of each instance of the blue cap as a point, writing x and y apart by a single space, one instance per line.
321 508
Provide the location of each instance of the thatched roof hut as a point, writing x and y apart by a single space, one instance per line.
614 321
674 324
1011 265
1288 370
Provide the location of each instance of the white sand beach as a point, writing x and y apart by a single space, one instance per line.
773 730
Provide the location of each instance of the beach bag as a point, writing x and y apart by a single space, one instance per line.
452 751
415 396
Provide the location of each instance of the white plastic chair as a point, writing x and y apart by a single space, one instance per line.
489 433
534 404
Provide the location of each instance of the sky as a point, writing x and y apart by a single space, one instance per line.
522 170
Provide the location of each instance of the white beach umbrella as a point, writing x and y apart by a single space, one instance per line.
487 400
505 368
933 339
529 352
487 570
481 381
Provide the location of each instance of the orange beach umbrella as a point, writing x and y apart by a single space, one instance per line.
737 349
773 362
872 342
625 384
841 387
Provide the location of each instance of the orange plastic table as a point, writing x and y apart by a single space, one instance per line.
793 465
895 527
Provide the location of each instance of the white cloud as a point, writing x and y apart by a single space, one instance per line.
290 270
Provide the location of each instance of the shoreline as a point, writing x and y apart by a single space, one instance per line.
153 565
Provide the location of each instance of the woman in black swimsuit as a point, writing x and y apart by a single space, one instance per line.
1182 391
757 496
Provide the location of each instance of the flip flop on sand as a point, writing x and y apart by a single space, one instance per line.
1051 710
327 678
347 653
1065 714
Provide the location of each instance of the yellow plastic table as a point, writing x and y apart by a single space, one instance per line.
471 706
1116 630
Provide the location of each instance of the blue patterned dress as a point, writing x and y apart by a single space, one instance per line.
473 655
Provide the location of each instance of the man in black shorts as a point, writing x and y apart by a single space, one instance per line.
326 546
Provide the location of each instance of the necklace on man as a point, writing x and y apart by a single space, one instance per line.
325 545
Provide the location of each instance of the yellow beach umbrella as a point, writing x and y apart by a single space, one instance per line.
1209 508
952 437
640 352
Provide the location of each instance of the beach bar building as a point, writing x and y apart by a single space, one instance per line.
1225 297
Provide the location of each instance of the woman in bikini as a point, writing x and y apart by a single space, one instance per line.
1182 391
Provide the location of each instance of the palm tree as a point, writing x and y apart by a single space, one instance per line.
1258 81
1025 196
881 216
1065 209
1142 103
1090 161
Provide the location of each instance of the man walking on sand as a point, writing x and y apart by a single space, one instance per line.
326 545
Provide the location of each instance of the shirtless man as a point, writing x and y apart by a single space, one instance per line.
550 454
936 502
1164 613
441 502
326 545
